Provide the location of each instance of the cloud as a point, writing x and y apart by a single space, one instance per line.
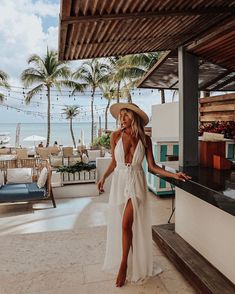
27 27
43 8
22 34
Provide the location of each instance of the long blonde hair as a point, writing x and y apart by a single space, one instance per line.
137 124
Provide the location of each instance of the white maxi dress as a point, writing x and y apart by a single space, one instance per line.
128 182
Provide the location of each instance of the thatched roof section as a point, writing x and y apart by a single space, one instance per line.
164 75
99 28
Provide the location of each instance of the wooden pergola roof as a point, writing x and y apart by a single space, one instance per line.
101 28
164 75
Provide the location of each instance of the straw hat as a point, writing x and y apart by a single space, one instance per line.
117 107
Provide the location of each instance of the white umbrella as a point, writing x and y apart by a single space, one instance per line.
82 137
34 138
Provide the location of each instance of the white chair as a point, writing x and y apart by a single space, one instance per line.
93 154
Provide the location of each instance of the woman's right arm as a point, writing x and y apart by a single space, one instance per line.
111 166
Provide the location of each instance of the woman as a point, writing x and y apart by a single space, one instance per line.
129 239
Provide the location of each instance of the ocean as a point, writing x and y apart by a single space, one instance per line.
60 132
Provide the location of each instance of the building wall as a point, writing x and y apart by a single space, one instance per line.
165 121
208 229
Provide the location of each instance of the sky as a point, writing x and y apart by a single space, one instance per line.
28 27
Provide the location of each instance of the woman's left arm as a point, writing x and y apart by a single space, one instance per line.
157 169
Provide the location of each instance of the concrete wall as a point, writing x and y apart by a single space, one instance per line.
165 122
102 164
75 191
208 229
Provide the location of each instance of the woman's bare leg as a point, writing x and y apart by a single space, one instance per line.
127 222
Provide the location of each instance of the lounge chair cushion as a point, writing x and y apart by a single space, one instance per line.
19 175
42 178
2 180
56 161
93 154
34 191
21 192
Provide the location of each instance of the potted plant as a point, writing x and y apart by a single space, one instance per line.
77 173
103 142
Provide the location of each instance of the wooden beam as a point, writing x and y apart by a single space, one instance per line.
207 84
149 14
201 274
65 8
62 40
173 85
160 61
217 24
208 118
64 12
221 85
219 31
217 98
215 108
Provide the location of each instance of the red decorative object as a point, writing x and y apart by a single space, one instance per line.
208 149
221 163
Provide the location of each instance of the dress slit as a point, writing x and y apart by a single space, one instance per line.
125 205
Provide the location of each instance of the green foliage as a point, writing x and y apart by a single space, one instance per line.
77 167
103 141
70 111
3 83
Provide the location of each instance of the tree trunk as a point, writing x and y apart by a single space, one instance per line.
163 100
106 114
72 134
48 115
118 97
129 99
118 91
92 115
173 95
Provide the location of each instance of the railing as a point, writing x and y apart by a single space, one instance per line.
79 177
216 108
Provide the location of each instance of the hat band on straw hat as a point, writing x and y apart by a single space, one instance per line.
117 107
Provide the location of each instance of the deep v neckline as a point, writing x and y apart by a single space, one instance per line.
124 151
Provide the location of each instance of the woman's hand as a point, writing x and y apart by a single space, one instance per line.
181 176
100 185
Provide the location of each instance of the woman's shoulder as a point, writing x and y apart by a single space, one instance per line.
116 135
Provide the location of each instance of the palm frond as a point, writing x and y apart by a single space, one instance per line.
71 111
3 76
31 76
61 72
38 62
3 80
77 87
32 93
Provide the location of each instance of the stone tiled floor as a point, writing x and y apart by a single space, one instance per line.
60 251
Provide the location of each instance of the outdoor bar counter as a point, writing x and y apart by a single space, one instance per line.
205 214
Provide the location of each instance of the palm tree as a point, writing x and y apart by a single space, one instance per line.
127 70
71 112
109 93
91 73
123 73
142 61
3 83
47 72
138 64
